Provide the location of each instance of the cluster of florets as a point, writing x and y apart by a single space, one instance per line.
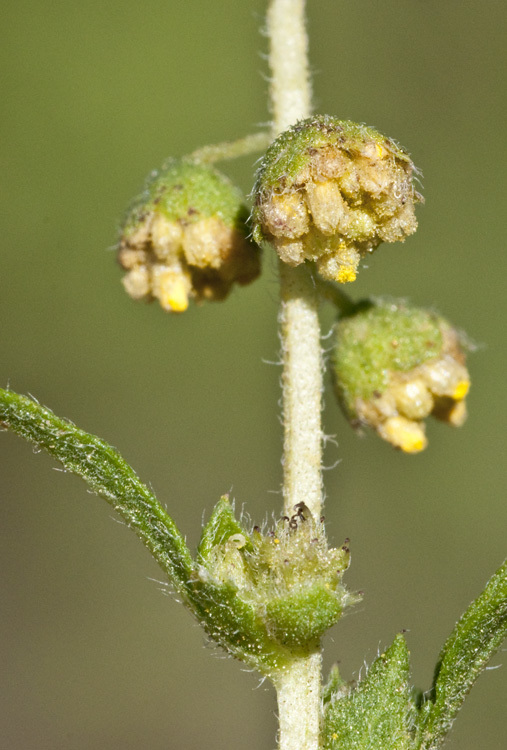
330 191
186 236
395 365
283 557
290 576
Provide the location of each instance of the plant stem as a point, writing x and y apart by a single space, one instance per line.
298 685
301 390
298 691
288 60
299 323
231 150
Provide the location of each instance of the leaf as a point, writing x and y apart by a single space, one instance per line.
108 475
230 621
472 643
374 715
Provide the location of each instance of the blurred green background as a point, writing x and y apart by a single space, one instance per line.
95 95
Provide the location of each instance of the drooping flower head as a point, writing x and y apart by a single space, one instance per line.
330 191
394 365
186 237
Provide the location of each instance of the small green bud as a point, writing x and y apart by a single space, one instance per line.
186 236
289 576
330 191
393 365
220 528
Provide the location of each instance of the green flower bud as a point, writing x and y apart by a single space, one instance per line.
186 236
394 365
330 191
289 576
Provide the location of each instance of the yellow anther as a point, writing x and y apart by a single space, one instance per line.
346 274
175 298
457 414
404 434
276 541
380 150
461 390
413 444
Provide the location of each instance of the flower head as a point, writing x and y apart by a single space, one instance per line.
289 577
186 236
394 365
330 191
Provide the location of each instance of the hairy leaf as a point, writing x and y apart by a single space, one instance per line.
472 643
230 621
374 715
108 475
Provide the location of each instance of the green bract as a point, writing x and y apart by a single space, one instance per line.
191 191
186 236
331 190
393 365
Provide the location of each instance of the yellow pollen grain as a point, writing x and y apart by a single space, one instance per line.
276 541
404 434
346 274
176 298
461 390
412 444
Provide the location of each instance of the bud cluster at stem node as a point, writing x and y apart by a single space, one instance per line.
330 191
394 365
186 237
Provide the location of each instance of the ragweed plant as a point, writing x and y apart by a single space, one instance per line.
328 192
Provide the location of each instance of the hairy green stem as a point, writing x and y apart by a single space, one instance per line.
298 686
231 149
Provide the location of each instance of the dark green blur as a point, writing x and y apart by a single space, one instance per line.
95 95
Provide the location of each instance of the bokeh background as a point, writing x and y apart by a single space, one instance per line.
95 95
